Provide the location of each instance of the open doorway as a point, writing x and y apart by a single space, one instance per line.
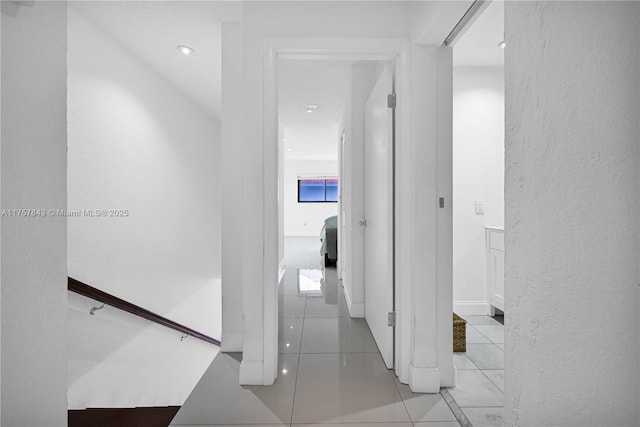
336 180
311 100
478 214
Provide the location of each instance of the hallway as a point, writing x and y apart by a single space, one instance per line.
330 370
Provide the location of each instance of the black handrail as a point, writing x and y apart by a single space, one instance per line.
89 291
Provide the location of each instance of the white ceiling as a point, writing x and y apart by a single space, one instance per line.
153 29
312 136
478 46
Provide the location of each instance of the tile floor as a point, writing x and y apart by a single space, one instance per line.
480 381
330 370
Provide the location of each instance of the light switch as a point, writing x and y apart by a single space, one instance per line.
479 207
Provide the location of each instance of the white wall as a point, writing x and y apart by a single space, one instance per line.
571 219
305 219
34 259
478 174
231 191
432 21
136 143
363 77
118 360
259 132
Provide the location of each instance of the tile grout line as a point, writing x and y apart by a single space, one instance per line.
492 382
482 370
402 398
295 386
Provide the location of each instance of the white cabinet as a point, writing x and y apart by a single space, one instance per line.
494 240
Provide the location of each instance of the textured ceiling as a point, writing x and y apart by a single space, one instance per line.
478 46
153 29
312 136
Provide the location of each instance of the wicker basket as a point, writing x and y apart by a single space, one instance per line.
459 334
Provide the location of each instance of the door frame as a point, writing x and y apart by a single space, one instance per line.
397 50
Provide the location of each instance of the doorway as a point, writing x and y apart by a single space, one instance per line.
478 213
345 206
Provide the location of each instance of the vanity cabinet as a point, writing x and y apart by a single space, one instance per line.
494 241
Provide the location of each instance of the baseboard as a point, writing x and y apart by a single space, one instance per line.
159 416
470 308
356 309
281 267
251 373
424 380
231 342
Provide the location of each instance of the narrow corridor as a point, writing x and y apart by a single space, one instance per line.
330 370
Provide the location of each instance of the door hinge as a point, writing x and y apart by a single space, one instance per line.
391 319
362 223
391 100
441 202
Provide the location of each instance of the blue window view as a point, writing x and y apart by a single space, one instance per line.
317 190
331 188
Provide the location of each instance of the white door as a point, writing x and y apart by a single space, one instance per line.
343 250
378 277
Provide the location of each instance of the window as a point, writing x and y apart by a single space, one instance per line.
317 190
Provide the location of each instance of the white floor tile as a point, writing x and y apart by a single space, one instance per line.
486 356
291 306
438 424
461 361
355 425
331 304
425 407
337 335
474 389
494 332
339 388
474 336
497 377
480 320
341 379
219 399
485 417
230 425
290 334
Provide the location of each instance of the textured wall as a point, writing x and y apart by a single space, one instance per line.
572 114
34 250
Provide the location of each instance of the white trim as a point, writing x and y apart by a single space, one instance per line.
281 269
444 221
251 373
231 342
386 49
470 308
271 232
307 234
424 380
356 309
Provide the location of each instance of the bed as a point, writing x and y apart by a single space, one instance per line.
329 240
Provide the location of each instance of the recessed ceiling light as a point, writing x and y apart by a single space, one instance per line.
502 44
185 50
289 150
311 108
